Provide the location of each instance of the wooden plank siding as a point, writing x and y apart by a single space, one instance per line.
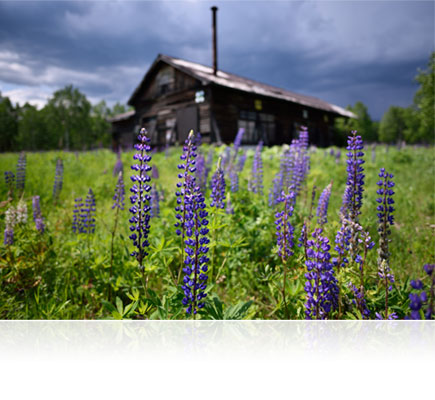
219 105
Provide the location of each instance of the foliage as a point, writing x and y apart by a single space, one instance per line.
362 124
425 103
68 121
56 274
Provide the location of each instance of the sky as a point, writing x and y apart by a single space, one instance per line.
339 51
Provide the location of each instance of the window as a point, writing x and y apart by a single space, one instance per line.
258 126
305 114
165 81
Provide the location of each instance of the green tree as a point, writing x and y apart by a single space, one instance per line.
119 108
393 125
32 130
68 116
363 124
8 124
101 128
424 102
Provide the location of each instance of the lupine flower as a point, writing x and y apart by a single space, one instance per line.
321 285
256 182
8 236
331 152
385 209
284 229
352 198
218 187
77 221
10 180
229 209
37 217
322 208
21 171
241 162
188 165
196 241
209 161
226 158
385 220
421 301
58 180
119 166
88 214
201 172
238 141
276 189
118 198
10 222
155 172
140 199
155 202
338 157
359 300
234 180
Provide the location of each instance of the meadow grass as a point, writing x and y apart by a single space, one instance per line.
63 275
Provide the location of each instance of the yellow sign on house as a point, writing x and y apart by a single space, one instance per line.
258 105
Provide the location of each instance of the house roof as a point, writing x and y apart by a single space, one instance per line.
121 117
205 74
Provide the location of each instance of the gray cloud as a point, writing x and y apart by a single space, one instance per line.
339 51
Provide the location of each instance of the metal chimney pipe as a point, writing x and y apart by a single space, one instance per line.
214 9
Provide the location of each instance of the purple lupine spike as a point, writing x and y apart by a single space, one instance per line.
218 187
241 162
359 300
420 301
321 285
37 217
21 172
118 167
10 222
58 180
77 221
196 249
276 190
226 158
229 209
201 172
385 219
8 236
140 199
155 172
119 196
256 182
322 208
209 161
238 142
88 214
155 202
352 198
284 229
189 169
286 166
234 180
338 157
10 181
198 139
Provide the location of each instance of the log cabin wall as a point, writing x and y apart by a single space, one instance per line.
233 109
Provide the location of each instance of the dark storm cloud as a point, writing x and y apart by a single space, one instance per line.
339 51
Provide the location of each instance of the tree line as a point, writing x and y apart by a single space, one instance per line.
68 121
413 124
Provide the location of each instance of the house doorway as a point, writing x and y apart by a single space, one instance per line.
187 119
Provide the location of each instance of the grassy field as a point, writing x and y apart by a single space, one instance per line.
62 275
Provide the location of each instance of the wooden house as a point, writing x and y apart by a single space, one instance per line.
176 95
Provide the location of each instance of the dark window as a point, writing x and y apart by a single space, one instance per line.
258 126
